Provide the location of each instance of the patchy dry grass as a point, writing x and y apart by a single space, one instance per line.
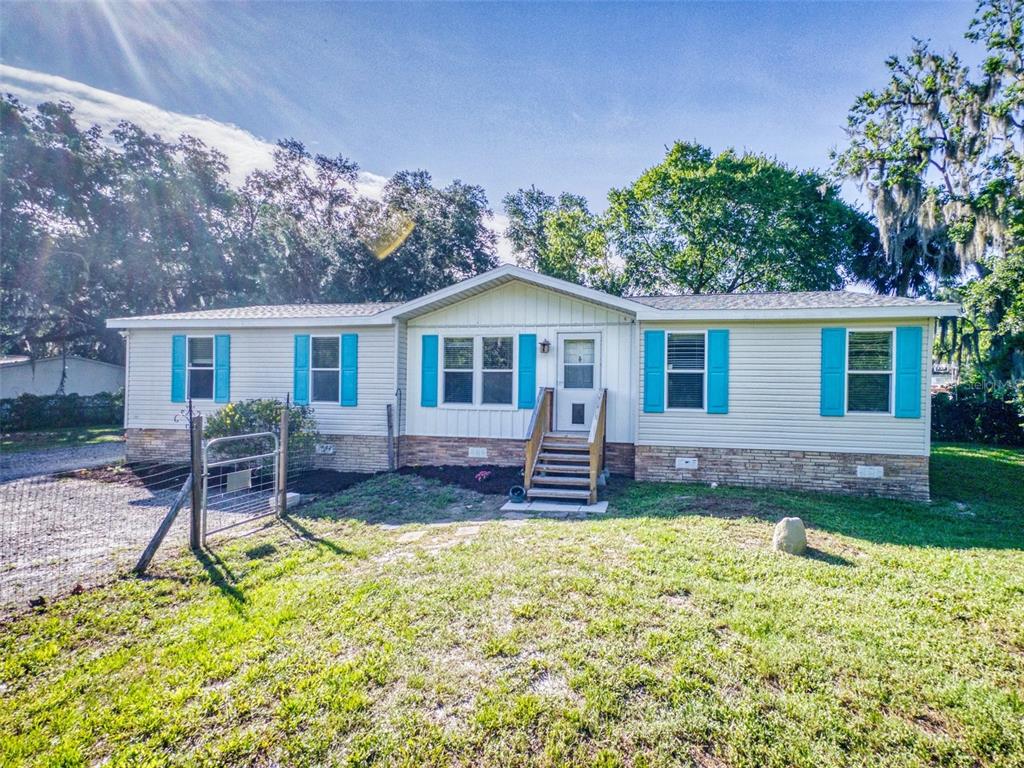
68 437
406 623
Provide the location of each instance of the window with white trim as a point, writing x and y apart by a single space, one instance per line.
496 373
200 367
325 357
686 370
869 371
458 369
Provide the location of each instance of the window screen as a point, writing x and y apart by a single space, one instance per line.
497 370
325 356
869 371
458 370
200 367
685 370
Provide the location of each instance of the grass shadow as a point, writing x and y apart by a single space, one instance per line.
302 532
813 553
222 577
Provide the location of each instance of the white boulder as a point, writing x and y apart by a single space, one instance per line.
790 536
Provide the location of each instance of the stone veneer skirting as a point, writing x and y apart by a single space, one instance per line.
904 477
352 453
424 450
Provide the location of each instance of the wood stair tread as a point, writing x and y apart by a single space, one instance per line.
569 469
567 458
558 493
562 480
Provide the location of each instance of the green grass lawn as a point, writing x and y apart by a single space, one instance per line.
663 633
68 437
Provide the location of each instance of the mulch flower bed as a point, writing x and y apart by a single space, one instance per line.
482 479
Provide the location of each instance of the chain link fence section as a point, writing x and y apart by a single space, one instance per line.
65 532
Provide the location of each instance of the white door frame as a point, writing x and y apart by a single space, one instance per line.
562 395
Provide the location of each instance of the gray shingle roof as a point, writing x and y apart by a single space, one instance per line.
274 311
780 300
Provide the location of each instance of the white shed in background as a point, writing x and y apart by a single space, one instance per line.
20 375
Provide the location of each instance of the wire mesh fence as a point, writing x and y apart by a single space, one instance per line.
61 533
64 532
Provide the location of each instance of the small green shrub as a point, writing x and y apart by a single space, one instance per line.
249 416
970 414
53 411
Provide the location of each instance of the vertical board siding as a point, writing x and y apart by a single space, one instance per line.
510 310
774 394
262 365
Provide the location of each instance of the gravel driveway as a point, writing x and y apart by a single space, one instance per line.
52 460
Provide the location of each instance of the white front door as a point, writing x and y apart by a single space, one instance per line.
579 379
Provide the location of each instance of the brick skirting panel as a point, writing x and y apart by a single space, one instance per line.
352 453
162 445
355 453
424 450
904 477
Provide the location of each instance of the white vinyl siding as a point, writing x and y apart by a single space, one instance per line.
262 365
774 391
509 310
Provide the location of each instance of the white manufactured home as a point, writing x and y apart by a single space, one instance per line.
821 390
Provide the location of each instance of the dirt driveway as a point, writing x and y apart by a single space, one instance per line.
60 532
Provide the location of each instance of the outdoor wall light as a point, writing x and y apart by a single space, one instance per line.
545 346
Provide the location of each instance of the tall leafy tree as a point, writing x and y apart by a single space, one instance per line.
560 237
702 223
940 152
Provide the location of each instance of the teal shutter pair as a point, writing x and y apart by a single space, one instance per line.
221 368
717 364
349 373
429 368
907 403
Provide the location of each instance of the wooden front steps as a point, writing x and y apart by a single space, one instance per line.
563 466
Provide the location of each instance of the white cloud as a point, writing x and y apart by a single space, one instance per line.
245 151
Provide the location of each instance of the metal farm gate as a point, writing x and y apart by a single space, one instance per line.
240 481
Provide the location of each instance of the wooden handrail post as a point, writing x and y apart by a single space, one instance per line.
539 424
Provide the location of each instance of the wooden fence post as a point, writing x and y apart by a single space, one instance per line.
282 464
195 531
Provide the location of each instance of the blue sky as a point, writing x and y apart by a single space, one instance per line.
575 97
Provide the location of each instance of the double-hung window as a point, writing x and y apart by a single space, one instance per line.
869 372
686 370
200 367
458 369
496 375
325 356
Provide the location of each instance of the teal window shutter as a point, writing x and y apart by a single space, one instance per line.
428 384
300 386
222 369
527 370
654 371
349 369
908 372
833 371
718 371
178 371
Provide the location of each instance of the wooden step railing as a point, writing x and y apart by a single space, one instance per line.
595 442
540 424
